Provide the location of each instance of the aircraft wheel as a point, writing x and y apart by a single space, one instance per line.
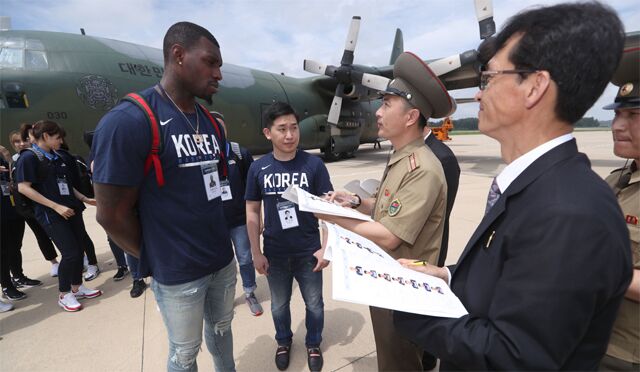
329 152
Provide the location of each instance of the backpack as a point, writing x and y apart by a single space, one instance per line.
25 206
82 174
153 159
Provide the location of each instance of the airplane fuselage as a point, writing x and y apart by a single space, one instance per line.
75 79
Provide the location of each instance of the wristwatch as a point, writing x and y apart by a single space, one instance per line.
356 204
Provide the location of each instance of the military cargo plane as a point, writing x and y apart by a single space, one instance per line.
75 79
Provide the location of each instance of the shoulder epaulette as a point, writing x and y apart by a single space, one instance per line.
413 162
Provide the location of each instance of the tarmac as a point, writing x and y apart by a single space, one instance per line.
117 333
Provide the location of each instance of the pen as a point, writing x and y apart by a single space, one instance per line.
331 192
418 263
490 239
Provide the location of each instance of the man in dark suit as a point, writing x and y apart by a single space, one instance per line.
452 175
544 274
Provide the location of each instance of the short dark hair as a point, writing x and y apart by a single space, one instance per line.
186 34
422 121
41 127
579 44
276 110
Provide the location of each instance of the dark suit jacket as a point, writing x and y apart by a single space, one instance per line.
452 175
542 276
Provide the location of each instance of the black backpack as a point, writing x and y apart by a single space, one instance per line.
25 206
83 176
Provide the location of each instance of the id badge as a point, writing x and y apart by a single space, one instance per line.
5 188
225 188
287 214
211 180
63 186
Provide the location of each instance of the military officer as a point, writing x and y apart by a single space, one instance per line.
623 352
409 207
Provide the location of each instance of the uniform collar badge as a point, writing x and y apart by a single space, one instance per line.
394 207
626 89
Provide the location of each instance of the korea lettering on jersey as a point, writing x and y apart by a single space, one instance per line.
200 149
276 183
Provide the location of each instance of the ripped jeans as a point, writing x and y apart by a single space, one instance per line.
185 306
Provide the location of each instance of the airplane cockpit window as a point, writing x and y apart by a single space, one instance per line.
11 58
36 60
18 53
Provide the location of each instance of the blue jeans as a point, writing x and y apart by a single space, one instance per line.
118 253
241 244
282 271
133 263
185 306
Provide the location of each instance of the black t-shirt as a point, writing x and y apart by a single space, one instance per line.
235 209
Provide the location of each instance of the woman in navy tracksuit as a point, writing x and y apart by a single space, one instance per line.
49 183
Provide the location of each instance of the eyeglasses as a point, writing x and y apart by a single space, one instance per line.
486 76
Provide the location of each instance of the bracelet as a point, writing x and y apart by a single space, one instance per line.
355 205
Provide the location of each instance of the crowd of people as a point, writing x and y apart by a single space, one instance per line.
550 278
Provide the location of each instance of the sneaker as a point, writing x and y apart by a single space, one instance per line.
282 357
23 281
84 292
85 263
13 294
92 273
314 358
121 273
69 302
5 306
254 305
54 269
138 288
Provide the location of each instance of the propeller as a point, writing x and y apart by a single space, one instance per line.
345 74
484 13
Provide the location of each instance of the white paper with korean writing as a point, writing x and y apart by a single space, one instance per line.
363 273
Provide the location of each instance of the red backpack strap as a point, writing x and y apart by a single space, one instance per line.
220 133
153 159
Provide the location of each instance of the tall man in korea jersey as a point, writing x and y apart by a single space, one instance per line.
177 229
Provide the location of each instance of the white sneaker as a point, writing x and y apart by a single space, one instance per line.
92 272
54 269
85 263
69 302
84 292
4 307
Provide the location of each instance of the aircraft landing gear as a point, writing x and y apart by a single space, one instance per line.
330 153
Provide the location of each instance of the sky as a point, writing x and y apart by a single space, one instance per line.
277 35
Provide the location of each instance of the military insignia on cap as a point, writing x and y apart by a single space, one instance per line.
394 207
626 89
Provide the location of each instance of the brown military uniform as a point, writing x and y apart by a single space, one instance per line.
410 203
625 337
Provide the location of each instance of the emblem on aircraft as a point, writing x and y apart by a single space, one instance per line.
97 92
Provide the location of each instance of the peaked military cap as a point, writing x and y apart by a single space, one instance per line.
414 80
627 76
